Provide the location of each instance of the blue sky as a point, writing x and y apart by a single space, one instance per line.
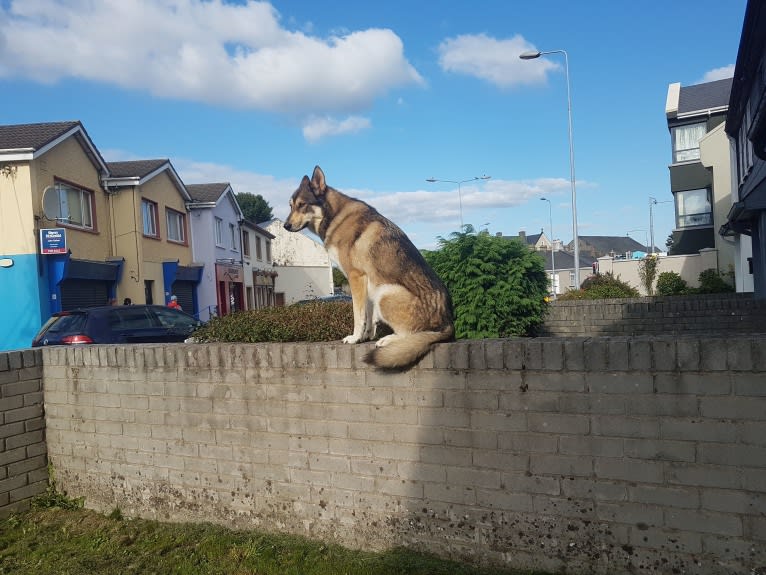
382 95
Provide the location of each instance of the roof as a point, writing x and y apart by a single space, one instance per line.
564 260
604 245
256 227
704 97
138 172
29 141
207 193
135 169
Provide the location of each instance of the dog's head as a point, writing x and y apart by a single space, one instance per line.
306 203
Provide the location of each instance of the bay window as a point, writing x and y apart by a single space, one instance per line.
686 141
693 208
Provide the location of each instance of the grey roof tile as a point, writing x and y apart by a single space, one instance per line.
33 136
702 97
134 168
207 192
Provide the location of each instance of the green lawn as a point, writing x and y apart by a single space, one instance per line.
59 541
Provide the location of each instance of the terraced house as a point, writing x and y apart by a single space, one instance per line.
78 231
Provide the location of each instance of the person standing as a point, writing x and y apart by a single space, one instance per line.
174 303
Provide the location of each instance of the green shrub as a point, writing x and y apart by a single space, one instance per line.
320 321
712 282
671 283
601 286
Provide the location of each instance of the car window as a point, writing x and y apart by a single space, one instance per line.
66 323
170 317
130 317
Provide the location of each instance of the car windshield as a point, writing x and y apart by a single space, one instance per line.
173 318
130 317
65 323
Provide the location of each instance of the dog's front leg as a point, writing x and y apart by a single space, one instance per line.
358 283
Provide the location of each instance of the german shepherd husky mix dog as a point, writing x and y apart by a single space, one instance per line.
390 281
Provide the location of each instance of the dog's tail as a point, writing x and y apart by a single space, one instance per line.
403 351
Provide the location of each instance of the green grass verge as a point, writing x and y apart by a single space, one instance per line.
54 541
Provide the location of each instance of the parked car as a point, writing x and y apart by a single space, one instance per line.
327 298
117 324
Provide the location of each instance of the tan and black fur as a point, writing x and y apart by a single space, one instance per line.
390 281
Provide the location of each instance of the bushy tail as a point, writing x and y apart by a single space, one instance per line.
403 351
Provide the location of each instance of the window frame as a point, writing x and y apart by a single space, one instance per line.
171 213
233 237
85 198
218 232
246 243
149 210
258 249
691 154
268 251
694 219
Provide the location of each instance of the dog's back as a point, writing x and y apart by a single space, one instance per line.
389 278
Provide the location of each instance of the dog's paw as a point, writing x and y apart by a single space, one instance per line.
351 339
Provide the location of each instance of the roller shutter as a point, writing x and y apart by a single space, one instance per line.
185 292
83 293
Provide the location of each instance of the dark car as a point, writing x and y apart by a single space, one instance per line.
327 298
117 324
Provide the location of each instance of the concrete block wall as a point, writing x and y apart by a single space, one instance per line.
584 455
23 463
659 315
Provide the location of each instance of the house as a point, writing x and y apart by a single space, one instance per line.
55 226
594 247
746 127
697 182
302 262
147 201
216 216
260 275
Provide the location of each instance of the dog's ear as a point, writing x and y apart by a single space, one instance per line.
317 182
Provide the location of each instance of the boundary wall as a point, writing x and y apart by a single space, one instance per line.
584 455
659 315
23 462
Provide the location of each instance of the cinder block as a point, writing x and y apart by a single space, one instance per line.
704 522
590 445
690 474
629 469
558 423
687 498
561 465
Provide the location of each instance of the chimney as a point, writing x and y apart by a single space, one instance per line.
523 236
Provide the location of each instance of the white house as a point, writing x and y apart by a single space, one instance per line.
303 266
257 259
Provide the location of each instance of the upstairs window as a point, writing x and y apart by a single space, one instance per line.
73 205
258 252
219 232
149 217
233 236
693 208
246 243
268 251
686 141
176 226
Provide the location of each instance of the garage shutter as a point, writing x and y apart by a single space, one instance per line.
185 293
83 293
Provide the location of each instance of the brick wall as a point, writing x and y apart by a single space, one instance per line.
660 315
594 455
23 465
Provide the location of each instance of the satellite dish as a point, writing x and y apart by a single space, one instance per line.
52 205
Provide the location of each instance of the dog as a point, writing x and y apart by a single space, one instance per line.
391 283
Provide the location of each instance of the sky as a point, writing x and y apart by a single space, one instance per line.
383 96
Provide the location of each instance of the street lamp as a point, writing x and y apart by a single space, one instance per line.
531 55
553 247
652 202
459 191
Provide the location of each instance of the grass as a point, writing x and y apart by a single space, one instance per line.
56 541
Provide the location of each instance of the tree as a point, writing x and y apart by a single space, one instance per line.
254 207
647 272
498 286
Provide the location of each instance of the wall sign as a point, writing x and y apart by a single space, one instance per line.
53 241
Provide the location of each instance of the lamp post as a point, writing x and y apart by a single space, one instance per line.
531 55
459 191
553 247
652 203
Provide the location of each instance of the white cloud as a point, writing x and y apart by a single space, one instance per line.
492 60
718 74
237 55
317 128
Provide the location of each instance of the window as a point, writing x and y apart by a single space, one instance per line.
176 226
74 205
693 208
218 232
686 141
268 251
149 215
233 236
246 243
258 251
